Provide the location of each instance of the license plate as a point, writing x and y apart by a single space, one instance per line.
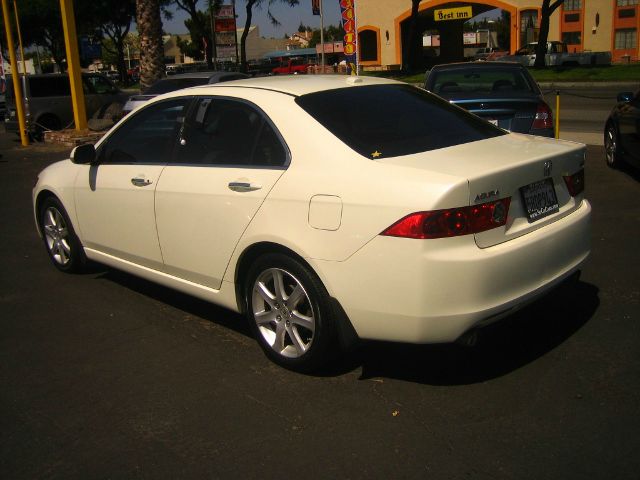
540 199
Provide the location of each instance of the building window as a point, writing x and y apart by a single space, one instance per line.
627 3
626 38
571 38
627 13
528 26
571 17
573 5
368 40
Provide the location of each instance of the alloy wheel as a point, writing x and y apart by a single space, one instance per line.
56 236
610 145
283 312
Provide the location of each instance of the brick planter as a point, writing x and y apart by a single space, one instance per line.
72 138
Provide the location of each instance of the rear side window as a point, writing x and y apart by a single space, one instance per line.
476 81
230 133
382 121
52 86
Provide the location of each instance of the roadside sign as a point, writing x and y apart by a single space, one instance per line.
461 13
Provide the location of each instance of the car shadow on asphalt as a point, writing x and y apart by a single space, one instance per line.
181 301
630 171
500 349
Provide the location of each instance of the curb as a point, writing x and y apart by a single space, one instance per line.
628 85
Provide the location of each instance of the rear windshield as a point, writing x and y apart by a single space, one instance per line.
480 81
169 85
381 121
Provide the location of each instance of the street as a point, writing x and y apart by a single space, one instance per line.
104 375
584 110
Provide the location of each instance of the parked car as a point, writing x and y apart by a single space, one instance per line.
488 52
558 55
503 93
263 66
291 66
622 131
178 81
48 101
327 209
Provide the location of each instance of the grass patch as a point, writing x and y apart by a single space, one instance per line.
613 73
618 73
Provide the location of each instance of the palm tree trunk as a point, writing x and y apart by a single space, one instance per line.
151 48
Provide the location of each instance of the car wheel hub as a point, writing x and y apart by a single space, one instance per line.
56 236
283 313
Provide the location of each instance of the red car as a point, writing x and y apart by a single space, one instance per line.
291 66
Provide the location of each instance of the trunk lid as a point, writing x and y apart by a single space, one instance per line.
514 114
503 167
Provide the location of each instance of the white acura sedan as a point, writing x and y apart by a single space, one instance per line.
326 208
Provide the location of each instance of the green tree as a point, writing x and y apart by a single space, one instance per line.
249 9
113 20
199 26
545 13
44 27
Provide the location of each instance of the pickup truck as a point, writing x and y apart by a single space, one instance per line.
558 55
291 66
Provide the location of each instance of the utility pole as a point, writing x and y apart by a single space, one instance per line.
73 61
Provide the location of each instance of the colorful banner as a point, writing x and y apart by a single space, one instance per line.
348 11
315 7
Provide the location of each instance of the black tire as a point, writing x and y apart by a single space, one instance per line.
612 146
281 333
60 239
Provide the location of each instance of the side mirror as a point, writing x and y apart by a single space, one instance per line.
625 97
84 154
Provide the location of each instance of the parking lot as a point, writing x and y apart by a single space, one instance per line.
103 375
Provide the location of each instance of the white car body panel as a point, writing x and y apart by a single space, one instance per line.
188 230
197 246
115 216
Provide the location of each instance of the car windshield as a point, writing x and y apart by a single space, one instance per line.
479 81
171 84
381 121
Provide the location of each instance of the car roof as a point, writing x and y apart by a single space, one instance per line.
205 74
297 85
475 65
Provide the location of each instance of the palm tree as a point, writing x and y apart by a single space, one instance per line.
151 48
247 25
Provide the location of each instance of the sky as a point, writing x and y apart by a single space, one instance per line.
289 17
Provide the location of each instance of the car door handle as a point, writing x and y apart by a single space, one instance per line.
244 186
140 182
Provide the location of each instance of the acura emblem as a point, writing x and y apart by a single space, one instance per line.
548 166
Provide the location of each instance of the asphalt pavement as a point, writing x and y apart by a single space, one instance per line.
103 375
584 108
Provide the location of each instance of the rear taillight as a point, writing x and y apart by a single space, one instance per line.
451 222
575 183
544 117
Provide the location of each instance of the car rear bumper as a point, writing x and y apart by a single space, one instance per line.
433 291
